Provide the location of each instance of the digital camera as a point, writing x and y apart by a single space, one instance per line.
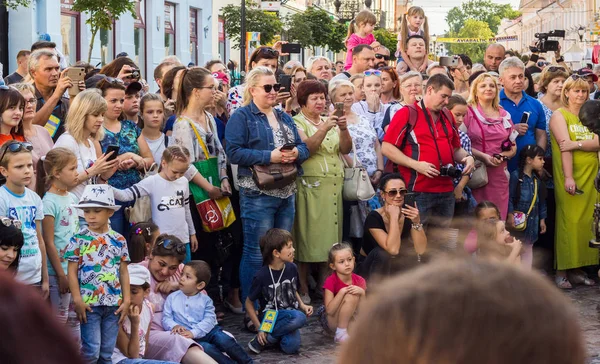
450 171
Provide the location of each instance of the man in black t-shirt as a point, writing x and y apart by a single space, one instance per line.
22 68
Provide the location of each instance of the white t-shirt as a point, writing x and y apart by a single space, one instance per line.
170 203
157 147
145 318
28 209
86 156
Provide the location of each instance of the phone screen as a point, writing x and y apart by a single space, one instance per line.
114 149
339 109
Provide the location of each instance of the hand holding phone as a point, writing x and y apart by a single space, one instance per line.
115 152
288 146
339 109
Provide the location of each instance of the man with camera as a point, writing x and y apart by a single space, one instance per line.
423 145
526 112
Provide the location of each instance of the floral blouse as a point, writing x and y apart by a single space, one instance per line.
184 135
234 98
364 137
126 139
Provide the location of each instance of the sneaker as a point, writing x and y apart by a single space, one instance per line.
255 346
305 298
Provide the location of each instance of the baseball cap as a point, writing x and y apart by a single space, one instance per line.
587 72
138 275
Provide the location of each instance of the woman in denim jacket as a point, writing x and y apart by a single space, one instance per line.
522 188
253 137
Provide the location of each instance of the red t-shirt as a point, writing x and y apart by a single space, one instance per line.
420 146
6 137
333 283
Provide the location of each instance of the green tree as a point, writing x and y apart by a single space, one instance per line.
483 10
471 29
387 39
266 23
14 4
335 40
315 28
102 14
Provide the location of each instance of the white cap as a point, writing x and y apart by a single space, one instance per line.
138 274
97 196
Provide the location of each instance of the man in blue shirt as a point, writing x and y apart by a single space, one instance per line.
514 100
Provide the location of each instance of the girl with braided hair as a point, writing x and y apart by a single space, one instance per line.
527 201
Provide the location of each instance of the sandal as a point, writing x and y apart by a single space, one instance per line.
588 282
232 308
563 283
249 325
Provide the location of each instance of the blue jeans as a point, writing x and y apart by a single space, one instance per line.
287 330
99 334
435 208
260 213
144 361
119 222
216 342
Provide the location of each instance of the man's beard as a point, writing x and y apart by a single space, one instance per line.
380 64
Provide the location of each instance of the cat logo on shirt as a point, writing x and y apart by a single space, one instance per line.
171 202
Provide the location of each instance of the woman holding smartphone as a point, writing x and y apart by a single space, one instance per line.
319 217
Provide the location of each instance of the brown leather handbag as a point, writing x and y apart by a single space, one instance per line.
275 175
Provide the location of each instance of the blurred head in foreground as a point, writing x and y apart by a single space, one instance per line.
466 312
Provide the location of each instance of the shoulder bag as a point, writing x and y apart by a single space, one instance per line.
275 175
357 185
479 177
519 217
141 211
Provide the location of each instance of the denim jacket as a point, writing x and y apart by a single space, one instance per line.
539 211
249 139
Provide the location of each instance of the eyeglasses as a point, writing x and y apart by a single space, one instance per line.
394 193
556 69
172 245
31 102
17 147
8 222
412 85
212 88
380 56
275 87
372 73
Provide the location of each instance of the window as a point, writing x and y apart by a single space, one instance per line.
194 35
107 49
170 26
222 48
69 32
139 36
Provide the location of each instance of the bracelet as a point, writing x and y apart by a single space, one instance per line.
417 227
87 173
378 170
224 177
344 129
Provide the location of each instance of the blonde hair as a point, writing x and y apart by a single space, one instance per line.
364 17
88 102
24 87
311 61
358 76
176 152
53 162
252 80
407 76
295 70
546 76
334 86
414 10
473 100
578 84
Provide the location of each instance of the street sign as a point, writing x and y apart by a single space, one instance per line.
270 5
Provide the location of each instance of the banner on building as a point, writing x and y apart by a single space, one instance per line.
270 5
478 40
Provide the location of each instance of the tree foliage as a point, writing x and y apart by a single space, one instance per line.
102 14
14 4
315 28
267 24
483 10
387 39
471 29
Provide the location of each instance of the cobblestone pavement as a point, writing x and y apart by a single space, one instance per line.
320 349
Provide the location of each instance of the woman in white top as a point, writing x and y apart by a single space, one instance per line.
84 130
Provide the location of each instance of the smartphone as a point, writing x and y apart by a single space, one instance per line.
288 146
291 48
76 74
225 193
449 61
513 136
409 199
525 117
500 156
112 148
578 192
286 82
339 109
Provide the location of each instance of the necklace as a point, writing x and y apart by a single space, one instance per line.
60 190
312 122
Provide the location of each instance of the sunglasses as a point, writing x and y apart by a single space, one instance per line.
580 77
115 81
269 51
172 245
372 73
380 56
556 69
4 87
8 222
269 88
394 193
17 147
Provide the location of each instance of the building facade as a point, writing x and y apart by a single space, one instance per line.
160 28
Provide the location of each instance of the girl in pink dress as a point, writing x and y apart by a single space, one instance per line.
489 126
165 266
360 31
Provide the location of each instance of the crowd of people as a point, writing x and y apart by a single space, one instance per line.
144 218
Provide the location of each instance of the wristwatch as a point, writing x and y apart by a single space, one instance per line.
579 145
417 227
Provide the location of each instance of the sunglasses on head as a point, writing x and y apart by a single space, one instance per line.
380 56
17 147
275 87
114 81
4 87
394 193
556 69
170 245
8 222
269 51
372 73
580 77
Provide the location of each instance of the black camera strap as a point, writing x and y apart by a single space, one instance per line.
432 131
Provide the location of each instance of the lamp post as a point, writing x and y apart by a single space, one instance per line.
243 41
346 10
